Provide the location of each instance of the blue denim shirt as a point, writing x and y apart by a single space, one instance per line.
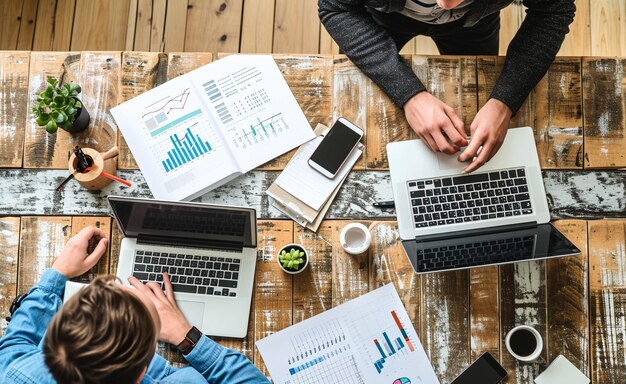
22 359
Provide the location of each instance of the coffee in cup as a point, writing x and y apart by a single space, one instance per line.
524 343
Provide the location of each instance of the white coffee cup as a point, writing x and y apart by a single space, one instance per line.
355 238
520 346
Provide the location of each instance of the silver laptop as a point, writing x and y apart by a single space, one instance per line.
496 214
209 252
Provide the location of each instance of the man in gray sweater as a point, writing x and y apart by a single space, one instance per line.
371 32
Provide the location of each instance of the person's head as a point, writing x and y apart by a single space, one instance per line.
106 333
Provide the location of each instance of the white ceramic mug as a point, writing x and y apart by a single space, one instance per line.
538 345
355 238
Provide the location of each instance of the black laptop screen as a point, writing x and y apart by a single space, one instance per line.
182 221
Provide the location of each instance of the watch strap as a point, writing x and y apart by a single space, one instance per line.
191 339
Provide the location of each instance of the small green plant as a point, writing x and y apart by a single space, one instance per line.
57 106
291 260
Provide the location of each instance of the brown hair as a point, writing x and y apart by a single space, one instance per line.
103 334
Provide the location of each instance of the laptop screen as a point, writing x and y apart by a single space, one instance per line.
192 221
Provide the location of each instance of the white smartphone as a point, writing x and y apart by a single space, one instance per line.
335 147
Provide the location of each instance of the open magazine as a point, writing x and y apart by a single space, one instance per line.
203 129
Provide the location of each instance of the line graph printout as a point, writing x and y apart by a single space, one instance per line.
367 340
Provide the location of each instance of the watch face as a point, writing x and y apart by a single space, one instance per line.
190 341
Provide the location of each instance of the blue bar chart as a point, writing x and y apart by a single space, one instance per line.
387 349
185 149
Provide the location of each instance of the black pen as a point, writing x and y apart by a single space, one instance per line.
384 204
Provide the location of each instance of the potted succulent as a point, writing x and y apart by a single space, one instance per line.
58 106
293 258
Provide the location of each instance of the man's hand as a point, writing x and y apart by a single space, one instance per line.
75 258
435 122
174 326
488 132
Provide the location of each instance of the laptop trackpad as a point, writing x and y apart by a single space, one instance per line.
449 161
193 311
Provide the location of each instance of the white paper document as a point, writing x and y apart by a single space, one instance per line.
309 186
202 129
367 340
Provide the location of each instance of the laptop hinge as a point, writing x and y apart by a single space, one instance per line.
476 232
187 242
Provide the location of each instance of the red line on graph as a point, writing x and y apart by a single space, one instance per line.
395 317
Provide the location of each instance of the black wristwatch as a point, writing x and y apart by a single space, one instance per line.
190 341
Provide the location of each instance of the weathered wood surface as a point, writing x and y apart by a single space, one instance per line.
607 301
213 26
571 194
13 106
604 103
9 246
484 303
104 224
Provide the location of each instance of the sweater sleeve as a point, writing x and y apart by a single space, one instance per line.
533 49
369 47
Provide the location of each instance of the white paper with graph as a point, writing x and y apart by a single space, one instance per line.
369 339
202 129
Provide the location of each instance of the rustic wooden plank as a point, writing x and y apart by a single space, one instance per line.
424 45
578 41
179 63
114 247
159 9
131 25
43 150
143 26
27 26
604 103
41 241
10 23
350 273
100 25
310 79
175 26
385 123
213 26
511 18
273 292
350 97
13 109
571 194
139 73
313 288
9 245
607 300
522 302
567 297
553 109
389 264
444 322
296 27
104 224
51 35
608 26
257 26
327 44
484 302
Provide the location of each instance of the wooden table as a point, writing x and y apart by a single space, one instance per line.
578 111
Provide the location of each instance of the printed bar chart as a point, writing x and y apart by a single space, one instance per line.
184 150
387 349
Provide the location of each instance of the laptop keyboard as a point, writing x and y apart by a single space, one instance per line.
475 254
209 275
474 197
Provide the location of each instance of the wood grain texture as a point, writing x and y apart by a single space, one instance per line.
444 323
567 296
213 25
175 26
43 150
350 98
13 109
607 300
578 41
10 23
27 25
41 241
327 44
522 301
179 63
103 224
608 27
296 27
257 26
53 31
114 247
484 312
511 18
273 292
139 73
143 25
131 26
604 103
100 25
350 272
157 30
9 246
424 45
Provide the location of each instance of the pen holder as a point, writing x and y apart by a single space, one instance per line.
93 179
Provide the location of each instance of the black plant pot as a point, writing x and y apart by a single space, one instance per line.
81 122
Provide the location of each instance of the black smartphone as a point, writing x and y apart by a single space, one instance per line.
335 147
485 370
